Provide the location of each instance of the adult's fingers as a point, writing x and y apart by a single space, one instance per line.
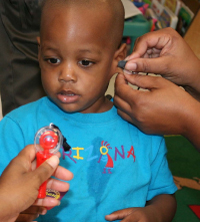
125 116
25 158
157 65
57 185
31 213
121 103
47 202
158 40
62 173
145 81
26 217
35 210
121 87
45 170
34 163
127 93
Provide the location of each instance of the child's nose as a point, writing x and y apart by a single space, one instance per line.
67 74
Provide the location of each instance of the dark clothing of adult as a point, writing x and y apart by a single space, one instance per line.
20 81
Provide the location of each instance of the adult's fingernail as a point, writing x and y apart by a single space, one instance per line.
127 72
131 66
53 161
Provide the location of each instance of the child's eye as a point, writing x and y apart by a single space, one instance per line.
53 60
85 63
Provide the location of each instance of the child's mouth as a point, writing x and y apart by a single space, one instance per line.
67 97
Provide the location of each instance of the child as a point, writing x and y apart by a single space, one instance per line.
115 166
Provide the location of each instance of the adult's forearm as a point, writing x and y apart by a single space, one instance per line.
192 123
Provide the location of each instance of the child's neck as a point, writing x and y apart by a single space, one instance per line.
103 105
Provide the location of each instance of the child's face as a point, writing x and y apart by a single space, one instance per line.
76 58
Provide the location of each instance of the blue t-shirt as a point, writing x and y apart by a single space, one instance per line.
115 165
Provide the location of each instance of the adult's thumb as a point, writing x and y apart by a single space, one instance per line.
46 169
53 161
151 65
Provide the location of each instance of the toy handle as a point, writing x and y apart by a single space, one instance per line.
40 159
49 139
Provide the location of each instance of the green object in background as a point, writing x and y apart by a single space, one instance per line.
147 2
135 27
184 162
185 15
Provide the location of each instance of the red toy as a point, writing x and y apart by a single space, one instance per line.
48 140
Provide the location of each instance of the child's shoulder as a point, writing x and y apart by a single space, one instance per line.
154 140
28 110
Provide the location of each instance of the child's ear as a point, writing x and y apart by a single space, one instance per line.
119 55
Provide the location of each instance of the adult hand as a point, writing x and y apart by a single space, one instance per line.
164 108
31 213
165 52
21 180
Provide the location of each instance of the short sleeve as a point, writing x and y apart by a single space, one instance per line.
161 178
